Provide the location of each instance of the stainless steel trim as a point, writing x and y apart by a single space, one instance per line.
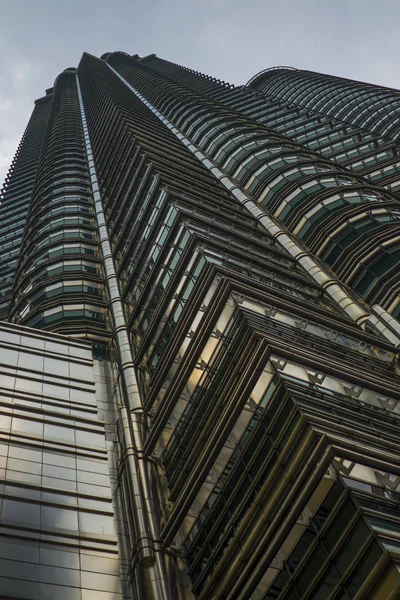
131 416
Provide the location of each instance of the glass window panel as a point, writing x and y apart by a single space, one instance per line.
49 591
15 464
60 460
59 472
93 466
61 484
34 361
327 585
9 357
7 381
5 422
18 588
14 568
59 558
97 581
21 490
86 438
56 367
94 490
68 500
352 544
311 568
340 522
18 551
59 518
99 564
95 478
95 523
61 433
21 512
364 568
52 574
80 371
26 453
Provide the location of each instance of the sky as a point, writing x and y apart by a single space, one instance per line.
229 39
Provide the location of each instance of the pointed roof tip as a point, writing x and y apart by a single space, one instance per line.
84 54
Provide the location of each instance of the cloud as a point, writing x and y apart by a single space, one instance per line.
16 104
229 39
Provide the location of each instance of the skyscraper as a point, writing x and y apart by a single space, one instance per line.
202 290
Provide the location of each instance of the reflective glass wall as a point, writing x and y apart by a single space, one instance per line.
57 521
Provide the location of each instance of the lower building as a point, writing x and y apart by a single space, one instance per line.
60 511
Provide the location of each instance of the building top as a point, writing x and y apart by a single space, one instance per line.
265 74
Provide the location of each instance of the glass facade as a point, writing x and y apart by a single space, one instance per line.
58 534
199 371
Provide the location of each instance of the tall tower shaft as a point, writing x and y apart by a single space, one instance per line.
230 256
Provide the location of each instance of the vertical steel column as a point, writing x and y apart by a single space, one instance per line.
131 416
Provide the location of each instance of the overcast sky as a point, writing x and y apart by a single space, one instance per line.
230 39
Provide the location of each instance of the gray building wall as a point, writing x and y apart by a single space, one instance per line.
57 532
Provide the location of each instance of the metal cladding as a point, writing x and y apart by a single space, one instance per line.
232 255
58 282
15 197
58 528
362 105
